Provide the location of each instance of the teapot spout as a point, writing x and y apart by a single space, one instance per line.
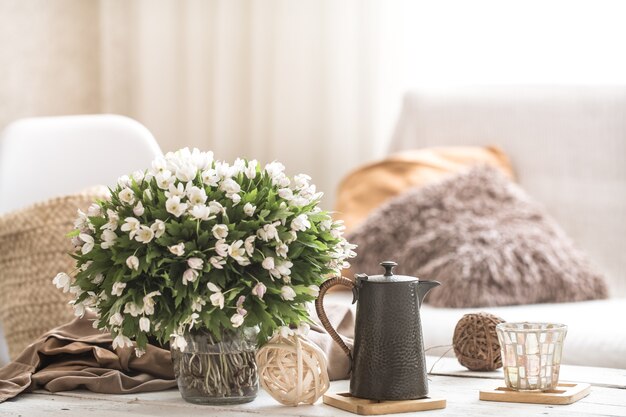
424 287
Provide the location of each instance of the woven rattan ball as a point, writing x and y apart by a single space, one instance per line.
475 342
293 370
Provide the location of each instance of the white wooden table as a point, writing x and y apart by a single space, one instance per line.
448 379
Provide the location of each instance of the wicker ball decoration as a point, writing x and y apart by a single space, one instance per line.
475 342
293 370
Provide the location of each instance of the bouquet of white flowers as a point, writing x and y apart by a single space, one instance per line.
197 243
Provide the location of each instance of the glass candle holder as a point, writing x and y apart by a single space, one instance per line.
531 354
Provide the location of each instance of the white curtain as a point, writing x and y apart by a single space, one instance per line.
294 81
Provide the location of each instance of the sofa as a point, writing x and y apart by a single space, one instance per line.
567 145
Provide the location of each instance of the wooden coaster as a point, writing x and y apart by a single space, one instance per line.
366 407
565 393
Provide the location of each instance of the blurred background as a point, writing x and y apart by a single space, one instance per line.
316 84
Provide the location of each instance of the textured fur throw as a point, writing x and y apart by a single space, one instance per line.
483 238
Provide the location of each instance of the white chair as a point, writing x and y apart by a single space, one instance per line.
44 157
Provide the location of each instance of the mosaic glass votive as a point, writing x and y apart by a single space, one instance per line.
531 354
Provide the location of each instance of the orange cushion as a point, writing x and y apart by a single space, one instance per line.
371 185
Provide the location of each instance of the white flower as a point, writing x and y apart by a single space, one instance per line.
164 179
301 181
236 198
175 191
196 195
139 352
132 262
138 176
238 166
325 225
144 235
259 290
287 293
217 262
210 177
122 341
94 210
131 225
116 319
294 236
201 160
217 299
124 181
148 302
195 263
249 245
197 304
113 219
236 320
86 265
281 250
200 212
117 289
144 324
178 249
284 268
285 193
179 342
159 164
274 169
223 169
138 210
230 187
132 309
220 231
62 280
212 287
250 170
313 290
175 207
268 263
268 232
190 275
108 239
147 194
79 308
249 209
97 279
300 223
88 243
216 207
158 227
238 253
127 196
221 247
186 172
81 221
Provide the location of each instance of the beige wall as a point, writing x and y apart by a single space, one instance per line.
49 58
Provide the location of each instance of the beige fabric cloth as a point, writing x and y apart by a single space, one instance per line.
77 356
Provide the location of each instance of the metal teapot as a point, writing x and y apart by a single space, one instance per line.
387 361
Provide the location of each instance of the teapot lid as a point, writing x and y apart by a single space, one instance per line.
388 276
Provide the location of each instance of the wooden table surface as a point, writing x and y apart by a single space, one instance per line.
448 379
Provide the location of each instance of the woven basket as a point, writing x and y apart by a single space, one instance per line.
33 249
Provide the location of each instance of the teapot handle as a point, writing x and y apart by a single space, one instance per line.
319 307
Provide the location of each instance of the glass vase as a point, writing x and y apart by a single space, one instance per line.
531 354
217 370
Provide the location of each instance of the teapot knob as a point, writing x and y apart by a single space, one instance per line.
388 265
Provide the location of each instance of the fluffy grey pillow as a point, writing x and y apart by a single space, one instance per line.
486 241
